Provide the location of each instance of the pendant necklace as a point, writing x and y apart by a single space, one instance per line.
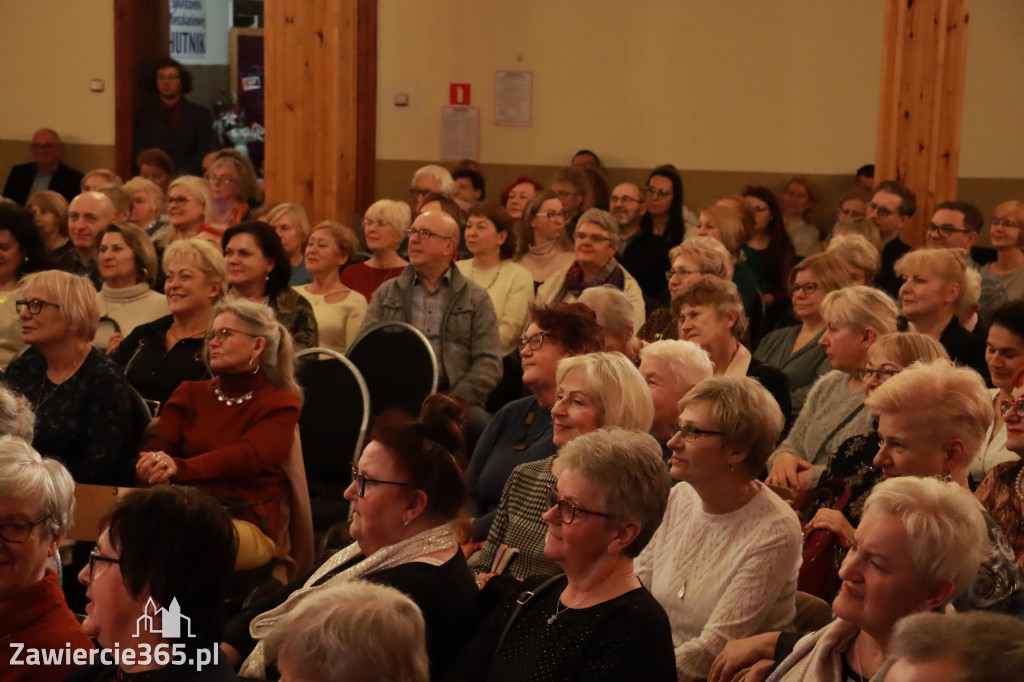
560 611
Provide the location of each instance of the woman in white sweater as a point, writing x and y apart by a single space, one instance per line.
128 267
723 564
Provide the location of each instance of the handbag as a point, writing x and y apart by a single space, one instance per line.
822 551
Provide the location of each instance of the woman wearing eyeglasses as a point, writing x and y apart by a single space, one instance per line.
384 226
769 252
795 350
666 216
234 185
724 562
258 270
596 242
21 252
405 491
189 208
36 508
593 620
1002 491
1007 235
544 246
229 435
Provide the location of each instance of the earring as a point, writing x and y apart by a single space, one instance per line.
256 369
731 467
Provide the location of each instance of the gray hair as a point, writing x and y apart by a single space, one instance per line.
985 646
689 363
278 359
354 631
26 475
627 470
616 387
613 309
17 418
603 219
440 174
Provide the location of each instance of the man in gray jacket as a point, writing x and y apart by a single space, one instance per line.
454 313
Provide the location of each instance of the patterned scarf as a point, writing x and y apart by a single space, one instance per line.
609 274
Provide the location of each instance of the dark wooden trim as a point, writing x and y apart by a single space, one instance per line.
366 105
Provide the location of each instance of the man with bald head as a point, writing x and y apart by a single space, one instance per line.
88 214
45 172
642 255
454 313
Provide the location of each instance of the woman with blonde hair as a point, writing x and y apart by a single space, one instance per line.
862 259
861 227
228 436
339 310
128 267
147 204
834 409
384 226
797 203
292 225
234 185
50 213
594 390
939 290
795 350
158 356
726 225
1006 230
189 208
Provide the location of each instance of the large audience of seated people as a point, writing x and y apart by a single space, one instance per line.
794 455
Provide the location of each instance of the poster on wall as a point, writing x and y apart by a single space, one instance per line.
199 31
460 133
513 98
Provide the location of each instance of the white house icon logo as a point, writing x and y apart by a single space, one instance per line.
170 622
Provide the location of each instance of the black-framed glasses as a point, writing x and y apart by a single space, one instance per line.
554 215
882 373
882 211
681 272
18 530
535 341
1008 406
1012 224
361 480
225 333
424 234
95 556
808 288
587 237
34 305
690 434
179 200
655 192
567 511
944 230
416 193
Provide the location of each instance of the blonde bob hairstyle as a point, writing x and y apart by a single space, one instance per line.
28 476
616 387
204 256
294 210
353 631
745 412
75 295
855 250
906 348
729 223
721 295
944 400
948 264
49 201
142 249
152 190
711 256
626 469
860 308
828 269
344 238
688 363
397 214
946 531
1013 210
278 359
861 226
200 191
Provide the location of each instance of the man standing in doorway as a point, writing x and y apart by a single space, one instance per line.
181 128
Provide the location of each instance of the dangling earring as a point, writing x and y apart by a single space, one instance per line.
731 467
252 362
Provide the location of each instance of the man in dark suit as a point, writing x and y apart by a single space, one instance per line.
45 172
181 128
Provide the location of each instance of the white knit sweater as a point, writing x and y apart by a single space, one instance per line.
740 571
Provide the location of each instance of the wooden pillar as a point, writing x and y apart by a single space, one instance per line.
921 104
321 92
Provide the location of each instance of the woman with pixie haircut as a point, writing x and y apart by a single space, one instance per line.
339 311
614 313
355 631
292 226
724 562
671 369
965 647
384 226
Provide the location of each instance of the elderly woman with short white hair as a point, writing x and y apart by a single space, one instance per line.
81 399
671 368
614 313
37 506
597 240
862 258
356 630
724 561
384 226
147 204
291 223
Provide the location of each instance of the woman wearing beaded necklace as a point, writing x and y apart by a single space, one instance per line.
339 310
229 435
510 285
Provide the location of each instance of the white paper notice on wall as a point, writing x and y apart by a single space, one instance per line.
513 98
460 133
199 31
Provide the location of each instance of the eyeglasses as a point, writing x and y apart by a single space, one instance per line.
691 433
881 374
655 192
567 511
48 145
35 305
220 179
1014 406
587 237
944 230
178 200
360 480
681 272
225 333
1012 224
614 199
808 288
564 193
425 234
882 211
554 215
16 530
368 223
95 556
535 341
419 192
